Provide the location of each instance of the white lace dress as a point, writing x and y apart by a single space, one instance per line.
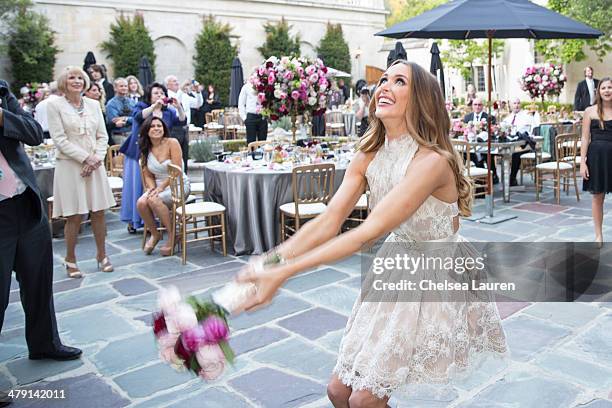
390 346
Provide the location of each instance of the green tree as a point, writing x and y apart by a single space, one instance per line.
129 41
31 47
463 54
597 14
401 10
333 49
213 57
278 41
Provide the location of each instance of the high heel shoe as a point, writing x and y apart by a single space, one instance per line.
105 265
599 242
72 270
149 247
165 251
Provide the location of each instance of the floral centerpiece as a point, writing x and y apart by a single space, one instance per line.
192 334
541 80
291 87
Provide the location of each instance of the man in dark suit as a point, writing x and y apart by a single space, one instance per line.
585 92
478 115
25 239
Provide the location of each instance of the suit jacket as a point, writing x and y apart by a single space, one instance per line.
582 99
483 115
20 127
109 90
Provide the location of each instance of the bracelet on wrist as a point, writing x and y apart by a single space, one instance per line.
274 258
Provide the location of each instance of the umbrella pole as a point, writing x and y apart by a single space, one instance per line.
490 218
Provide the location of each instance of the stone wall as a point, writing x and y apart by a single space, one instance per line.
82 25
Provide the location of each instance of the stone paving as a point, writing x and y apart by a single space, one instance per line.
561 354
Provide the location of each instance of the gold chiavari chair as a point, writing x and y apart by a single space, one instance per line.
188 214
566 147
312 187
479 176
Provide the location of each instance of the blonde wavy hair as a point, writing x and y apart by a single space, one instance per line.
428 123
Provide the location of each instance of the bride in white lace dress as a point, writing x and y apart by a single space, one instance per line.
417 192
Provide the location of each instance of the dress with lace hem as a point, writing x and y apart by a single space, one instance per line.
389 346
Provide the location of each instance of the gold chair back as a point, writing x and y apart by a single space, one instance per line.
114 161
566 146
313 183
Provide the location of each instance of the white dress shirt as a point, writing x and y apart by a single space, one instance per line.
40 113
522 122
187 102
247 101
591 85
20 187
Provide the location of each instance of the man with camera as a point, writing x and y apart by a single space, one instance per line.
119 109
25 239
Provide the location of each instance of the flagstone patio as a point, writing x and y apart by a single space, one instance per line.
561 353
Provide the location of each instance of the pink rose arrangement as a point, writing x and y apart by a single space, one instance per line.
192 334
291 86
541 80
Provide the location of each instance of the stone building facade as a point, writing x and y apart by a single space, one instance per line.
81 25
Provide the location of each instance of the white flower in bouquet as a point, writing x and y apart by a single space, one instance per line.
277 93
169 299
545 78
554 80
312 100
556 72
561 77
212 361
285 60
183 318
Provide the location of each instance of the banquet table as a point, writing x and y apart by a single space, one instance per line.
44 178
252 197
505 150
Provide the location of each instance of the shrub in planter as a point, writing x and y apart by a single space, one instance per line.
201 151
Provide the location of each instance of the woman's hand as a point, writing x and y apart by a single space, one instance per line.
267 282
584 170
153 192
93 161
177 105
86 170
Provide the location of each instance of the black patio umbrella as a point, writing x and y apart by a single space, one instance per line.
465 19
435 67
397 53
236 82
145 75
90 60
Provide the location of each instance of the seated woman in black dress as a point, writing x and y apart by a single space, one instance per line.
596 152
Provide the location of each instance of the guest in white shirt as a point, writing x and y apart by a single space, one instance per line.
522 124
192 100
40 114
181 133
256 125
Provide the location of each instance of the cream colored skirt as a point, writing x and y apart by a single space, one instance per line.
73 194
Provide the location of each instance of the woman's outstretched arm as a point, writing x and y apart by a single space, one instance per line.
424 176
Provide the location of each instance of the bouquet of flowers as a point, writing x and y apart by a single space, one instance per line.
541 80
290 86
194 334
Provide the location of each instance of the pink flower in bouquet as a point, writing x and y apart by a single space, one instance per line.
310 70
295 95
537 78
282 108
283 95
194 338
169 299
288 75
215 330
271 78
261 97
300 71
211 360
313 78
159 324
167 343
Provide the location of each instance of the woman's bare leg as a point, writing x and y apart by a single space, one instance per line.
163 213
338 393
365 399
71 232
99 230
597 210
